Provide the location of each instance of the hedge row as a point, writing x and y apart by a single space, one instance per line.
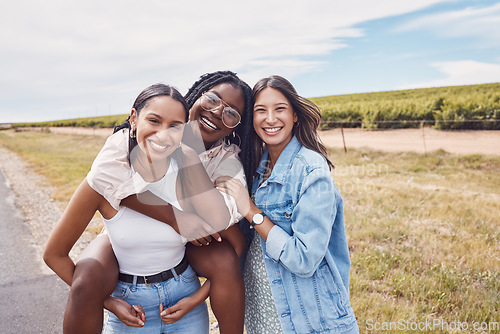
460 107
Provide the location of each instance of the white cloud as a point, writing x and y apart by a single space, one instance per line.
463 72
65 58
481 23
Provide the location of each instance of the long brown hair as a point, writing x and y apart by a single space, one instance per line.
308 115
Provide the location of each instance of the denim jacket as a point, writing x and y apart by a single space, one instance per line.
306 254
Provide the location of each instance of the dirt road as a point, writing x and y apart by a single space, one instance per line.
414 140
417 140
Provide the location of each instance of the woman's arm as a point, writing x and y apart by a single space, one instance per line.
187 224
80 210
197 191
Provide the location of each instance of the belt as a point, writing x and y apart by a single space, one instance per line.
156 278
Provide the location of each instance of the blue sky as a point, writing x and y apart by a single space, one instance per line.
67 59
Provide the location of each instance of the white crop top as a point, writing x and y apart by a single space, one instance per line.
142 245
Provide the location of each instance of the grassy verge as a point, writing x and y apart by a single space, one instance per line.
63 159
424 237
424 230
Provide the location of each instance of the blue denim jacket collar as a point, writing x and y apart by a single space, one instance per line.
283 164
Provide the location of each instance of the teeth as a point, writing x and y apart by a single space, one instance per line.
210 124
272 130
157 145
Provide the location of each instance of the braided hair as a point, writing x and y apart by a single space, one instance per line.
244 130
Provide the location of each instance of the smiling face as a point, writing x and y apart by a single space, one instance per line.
273 119
211 125
159 127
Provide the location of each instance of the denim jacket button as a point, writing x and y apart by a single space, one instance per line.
285 314
287 215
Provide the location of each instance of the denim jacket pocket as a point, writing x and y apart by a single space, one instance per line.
335 297
281 214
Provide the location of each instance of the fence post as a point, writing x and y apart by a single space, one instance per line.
343 139
423 135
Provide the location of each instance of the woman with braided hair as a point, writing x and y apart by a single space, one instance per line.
220 111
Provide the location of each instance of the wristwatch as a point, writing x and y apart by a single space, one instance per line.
257 219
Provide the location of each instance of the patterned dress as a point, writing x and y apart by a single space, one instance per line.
261 316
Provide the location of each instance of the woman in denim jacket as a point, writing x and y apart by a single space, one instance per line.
297 268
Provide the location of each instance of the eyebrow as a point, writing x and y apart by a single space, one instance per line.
156 115
220 97
276 104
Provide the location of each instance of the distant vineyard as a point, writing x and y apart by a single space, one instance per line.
446 108
458 107
91 122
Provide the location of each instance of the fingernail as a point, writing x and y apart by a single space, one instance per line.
141 323
219 239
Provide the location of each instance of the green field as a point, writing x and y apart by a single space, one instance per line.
474 107
424 230
90 122
458 107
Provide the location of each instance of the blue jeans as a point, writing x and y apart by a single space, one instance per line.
149 296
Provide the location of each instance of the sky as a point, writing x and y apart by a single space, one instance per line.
63 59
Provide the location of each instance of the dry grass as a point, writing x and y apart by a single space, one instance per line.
424 237
63 159
424 230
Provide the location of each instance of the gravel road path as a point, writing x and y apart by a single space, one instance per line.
33 297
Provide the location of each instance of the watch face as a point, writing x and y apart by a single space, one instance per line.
258 218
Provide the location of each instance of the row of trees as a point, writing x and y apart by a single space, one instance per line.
459 107
90 122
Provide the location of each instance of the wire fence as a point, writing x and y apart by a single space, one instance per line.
421 121
423 136
384 135
440 124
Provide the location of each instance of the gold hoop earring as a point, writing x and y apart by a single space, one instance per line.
232 140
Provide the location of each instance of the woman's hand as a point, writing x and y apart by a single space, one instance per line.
176 312
235 189
132 316
194 228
